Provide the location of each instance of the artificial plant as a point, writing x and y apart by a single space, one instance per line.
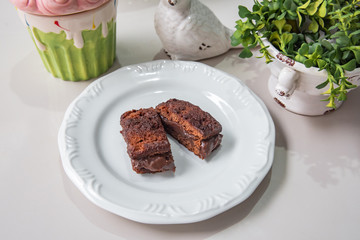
318 33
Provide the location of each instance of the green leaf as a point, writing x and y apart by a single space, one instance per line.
249 25
274 36
276 44
281 16
255 8
291 14
254 17
342 96
322 85
273 6
357 55
332 27
286 38
246 53
343 41
255 43
325 43
260 26
313 7
273 15
292 43
321 64
287 4
337 34
305 5
304 49
349 66
300 58
337 74
287 28
265 52
299 17
318 50
237 33
322 10
235 41
308 63
331 103
354 33
356 39
346 54
314 26
279 24
243 11
248 40
349 85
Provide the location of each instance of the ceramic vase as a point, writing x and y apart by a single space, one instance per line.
293 86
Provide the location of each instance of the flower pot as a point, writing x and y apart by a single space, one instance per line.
293 86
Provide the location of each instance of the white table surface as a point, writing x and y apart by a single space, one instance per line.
311 192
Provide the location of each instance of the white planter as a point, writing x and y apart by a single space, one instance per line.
293 86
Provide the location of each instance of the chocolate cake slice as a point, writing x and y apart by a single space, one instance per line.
196 129
147 143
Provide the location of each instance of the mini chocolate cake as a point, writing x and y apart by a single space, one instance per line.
196 129
147 143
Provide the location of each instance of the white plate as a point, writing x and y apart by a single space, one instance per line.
94 154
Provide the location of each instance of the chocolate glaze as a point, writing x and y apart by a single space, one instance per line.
153 164
192 117
209 145
147 143
201 147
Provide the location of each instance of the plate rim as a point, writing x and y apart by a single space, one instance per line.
138 216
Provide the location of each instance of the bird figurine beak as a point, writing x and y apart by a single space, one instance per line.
172 2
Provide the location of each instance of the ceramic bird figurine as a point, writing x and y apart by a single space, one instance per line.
189 30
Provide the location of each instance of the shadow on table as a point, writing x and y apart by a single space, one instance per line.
327 146
213 62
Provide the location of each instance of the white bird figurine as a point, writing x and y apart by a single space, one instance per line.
189 30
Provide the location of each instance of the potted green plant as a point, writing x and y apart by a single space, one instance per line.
313 47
